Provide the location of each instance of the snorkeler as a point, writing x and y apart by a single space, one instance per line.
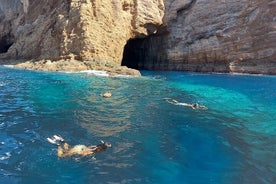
64 150
193 106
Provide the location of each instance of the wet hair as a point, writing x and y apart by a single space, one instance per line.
107 144
102 147
196 105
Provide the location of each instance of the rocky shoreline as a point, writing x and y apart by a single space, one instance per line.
191 35
73 66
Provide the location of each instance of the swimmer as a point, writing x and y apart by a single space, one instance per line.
106 94
64 150
193 106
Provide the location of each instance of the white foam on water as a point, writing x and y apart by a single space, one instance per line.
123 76
92 72
9 66
96 72
100 73
247 74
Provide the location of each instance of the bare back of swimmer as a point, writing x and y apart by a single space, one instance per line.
193 106
65 150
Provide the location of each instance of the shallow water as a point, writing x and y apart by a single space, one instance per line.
234 141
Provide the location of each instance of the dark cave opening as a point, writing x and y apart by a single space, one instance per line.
5 43
134 53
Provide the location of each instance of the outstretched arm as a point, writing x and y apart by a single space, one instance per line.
171 101
92 148
203 107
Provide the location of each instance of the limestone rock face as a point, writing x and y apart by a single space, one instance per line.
195 35
74 29
218 36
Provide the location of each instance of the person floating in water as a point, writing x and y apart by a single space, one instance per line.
106 94
193 106
64 150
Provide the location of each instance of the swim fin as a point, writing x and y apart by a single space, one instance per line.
55 139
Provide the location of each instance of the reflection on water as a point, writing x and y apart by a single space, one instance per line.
234 141
110 116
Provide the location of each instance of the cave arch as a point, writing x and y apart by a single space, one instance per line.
134 53
5 43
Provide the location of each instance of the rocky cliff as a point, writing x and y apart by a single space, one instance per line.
212 36
65 31
195 35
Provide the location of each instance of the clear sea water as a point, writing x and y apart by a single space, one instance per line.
232 142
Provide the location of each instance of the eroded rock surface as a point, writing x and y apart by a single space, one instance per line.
214 36
195 35
80 30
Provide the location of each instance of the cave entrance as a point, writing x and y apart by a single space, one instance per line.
5 43
134 53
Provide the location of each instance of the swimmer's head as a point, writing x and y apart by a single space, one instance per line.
107 144
195 105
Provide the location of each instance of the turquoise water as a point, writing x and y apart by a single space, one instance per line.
234 141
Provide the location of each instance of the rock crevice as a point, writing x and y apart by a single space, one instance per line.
214 36
82 30
194 35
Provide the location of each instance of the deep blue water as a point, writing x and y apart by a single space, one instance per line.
234 141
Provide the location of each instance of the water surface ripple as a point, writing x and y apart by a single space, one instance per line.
234 141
